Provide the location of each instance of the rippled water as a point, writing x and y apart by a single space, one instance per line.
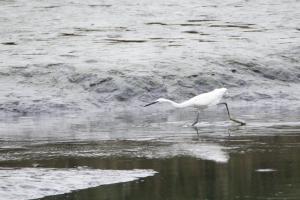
33 183
217 160
84 55
90 65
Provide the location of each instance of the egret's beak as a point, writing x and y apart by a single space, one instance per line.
149 104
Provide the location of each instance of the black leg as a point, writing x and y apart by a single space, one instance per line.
197 119
235 120
196 129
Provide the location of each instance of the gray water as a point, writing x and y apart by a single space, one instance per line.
87 55
157 156
74 74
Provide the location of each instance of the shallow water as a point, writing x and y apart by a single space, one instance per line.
223 161
81 57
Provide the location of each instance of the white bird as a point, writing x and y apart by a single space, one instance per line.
201 102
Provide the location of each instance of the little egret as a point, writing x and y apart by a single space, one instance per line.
201 102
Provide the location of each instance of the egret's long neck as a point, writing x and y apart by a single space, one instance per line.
177 105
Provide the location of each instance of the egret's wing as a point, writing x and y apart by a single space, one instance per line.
206 99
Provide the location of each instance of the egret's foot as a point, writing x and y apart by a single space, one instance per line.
238 121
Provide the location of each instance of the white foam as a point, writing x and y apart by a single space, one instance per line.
266 170
32 183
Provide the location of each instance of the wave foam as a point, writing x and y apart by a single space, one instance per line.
32 183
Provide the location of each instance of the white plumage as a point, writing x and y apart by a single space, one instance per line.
200 102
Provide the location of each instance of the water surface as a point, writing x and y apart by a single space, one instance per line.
223 161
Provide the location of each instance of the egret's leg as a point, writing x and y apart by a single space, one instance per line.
235 120
227 109
196 129
197 119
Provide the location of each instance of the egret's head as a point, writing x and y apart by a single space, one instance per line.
161 100
156 101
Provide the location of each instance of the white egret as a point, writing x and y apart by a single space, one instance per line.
201 102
